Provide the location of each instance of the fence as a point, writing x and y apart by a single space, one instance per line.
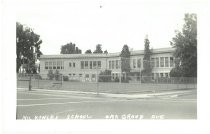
106 83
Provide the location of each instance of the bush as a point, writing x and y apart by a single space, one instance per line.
65 78
146 79
57 75
105 76
116 79
50 75
38 77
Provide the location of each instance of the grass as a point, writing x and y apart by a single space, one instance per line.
117 88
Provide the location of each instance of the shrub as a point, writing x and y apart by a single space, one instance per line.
57 75
116 79
65 78
38 77
105 76
50 75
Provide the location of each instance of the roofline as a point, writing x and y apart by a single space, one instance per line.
109 55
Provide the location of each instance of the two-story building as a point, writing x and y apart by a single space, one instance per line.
86 67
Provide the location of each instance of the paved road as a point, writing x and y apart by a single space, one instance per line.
44 104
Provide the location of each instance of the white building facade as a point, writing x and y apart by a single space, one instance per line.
86 67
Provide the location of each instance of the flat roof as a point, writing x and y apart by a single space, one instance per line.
75 56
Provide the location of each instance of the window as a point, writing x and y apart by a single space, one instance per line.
157 75
69 64
112 75
110 65
62 65
161 61
99 64
82 64
139 63
70 75
153 62
80 75
74 64
58 64
91 64
46 65
166 74
50 65
86 64
74 74
166 61
171 61
117 65
153 76
87 77
93 77
161 74
94 64
54 64
134 63
157 62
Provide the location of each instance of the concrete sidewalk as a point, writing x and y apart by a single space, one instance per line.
172 94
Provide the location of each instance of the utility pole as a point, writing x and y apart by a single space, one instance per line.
97 77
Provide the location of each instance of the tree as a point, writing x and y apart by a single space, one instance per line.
88 51
185 44
105 52
146 60
27 48
70 48
98 49
125 61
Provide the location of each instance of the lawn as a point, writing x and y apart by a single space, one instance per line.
110 87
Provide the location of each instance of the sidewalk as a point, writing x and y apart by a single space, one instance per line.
172 94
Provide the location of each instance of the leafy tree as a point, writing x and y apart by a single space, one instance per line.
70 48
27 48
125 61
185 44
146 60
88 51
98 49
105 52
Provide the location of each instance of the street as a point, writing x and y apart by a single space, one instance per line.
53 104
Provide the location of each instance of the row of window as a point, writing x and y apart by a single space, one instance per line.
54 65
114 64
162 62
157 75
72 64
80 75
90 64
137 64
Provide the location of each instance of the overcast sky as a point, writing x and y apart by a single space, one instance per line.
110 23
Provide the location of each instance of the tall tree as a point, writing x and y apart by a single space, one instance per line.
146 60
88 51
70 48
98 49
105 52
27 48
185 44
125 60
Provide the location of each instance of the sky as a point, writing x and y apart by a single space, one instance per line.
110 23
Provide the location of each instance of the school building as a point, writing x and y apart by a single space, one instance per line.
86 67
